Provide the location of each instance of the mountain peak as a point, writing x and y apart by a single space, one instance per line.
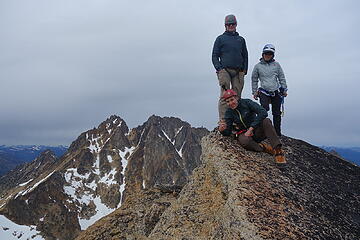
47 154
112 122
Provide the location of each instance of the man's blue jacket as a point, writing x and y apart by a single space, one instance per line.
230 51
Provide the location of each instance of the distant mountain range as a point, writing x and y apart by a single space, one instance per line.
352 154
12 156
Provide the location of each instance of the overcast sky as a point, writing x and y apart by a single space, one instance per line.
67 65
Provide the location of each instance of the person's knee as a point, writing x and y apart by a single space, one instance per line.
267 122
244 141
224 84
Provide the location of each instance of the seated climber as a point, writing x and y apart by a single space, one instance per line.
248 121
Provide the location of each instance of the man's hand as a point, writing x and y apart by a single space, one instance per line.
249 132
285 94
256 95
222 125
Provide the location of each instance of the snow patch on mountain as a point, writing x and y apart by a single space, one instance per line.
109 158
12 231
33 187
24 183
109 178
122 154
82 193
173 141
101 211
181 149
141 136
178 130
94 145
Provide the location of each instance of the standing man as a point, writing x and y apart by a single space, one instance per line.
230 59
273 86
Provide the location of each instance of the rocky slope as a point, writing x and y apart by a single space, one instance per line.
100 169
25 173
238 194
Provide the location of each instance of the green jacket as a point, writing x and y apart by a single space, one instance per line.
247 114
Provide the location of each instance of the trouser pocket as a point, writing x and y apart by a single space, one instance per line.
224 78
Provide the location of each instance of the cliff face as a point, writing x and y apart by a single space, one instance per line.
238 194
168 149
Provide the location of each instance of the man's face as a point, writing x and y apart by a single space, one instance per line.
232 102
230 27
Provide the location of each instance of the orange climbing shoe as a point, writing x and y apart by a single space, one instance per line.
279 156
267 148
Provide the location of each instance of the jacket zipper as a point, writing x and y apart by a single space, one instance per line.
241 119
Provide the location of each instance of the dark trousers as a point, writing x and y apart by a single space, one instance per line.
265 130
275 102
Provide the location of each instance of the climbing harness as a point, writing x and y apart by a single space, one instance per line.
272 94
237 134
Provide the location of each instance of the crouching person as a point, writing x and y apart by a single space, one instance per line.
247 119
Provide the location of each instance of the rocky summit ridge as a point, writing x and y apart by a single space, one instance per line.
94 176
237 194
166 180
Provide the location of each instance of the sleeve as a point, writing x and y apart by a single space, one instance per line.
282 79
261 113
216 54
229 123
254 79
245 57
